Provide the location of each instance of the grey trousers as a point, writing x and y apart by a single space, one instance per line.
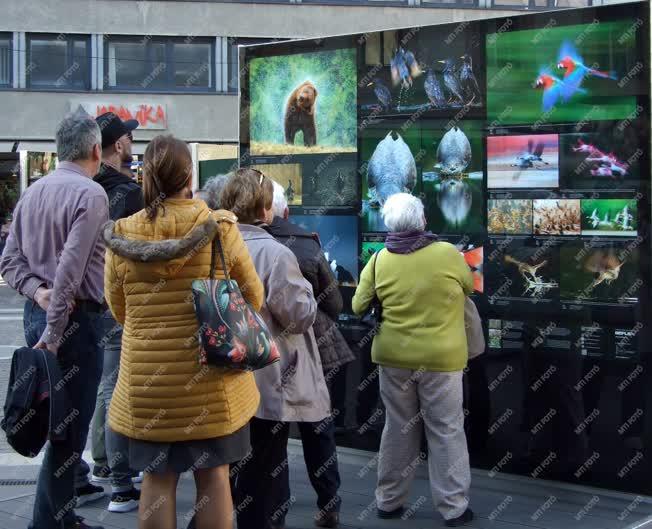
413 400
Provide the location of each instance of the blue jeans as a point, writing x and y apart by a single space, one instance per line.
117 446
80 359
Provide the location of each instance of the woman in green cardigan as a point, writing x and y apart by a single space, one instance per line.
421 349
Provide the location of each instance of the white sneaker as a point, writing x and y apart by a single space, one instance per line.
124 501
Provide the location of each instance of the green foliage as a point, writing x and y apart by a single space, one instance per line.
272 80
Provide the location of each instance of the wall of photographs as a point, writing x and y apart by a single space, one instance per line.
527 138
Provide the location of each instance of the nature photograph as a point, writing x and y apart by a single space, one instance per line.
599 274
303 103
289 176
520 271
389 150
330 181
452 176
610 217
509 216
523 161
608 157
556 217
550 75
422 71
338 235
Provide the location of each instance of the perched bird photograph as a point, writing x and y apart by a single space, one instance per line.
434 90
468 81
382 93
451 82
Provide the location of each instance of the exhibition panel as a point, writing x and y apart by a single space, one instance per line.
527 139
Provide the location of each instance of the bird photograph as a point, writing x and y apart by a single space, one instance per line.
391 169
468 81
615 217
523 161
563 73
604 274
404 68
421 74
452 82
526 272
382 93
575 71
434 90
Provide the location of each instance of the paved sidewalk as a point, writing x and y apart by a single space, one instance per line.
500 502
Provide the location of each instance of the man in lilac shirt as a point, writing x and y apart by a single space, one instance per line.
54 256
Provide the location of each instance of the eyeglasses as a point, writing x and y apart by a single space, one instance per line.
130 136
262 176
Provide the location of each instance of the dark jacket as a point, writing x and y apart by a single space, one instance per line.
333 349
36 407
125 195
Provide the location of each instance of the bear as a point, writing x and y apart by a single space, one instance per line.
300 114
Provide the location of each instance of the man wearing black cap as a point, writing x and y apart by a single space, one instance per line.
125 198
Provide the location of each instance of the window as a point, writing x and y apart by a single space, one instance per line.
6 64
58 61
158 63
233 72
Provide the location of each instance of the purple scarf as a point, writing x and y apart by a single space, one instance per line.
409 241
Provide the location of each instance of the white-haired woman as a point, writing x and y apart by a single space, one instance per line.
421 349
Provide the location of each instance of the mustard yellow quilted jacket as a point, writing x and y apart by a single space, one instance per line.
162 393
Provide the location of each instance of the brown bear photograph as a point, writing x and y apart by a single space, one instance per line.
303 103
300 114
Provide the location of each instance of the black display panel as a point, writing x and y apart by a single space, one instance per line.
527 138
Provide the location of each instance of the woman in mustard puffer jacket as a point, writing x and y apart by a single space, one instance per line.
177 415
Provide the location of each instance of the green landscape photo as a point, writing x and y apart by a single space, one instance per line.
562 74
303 103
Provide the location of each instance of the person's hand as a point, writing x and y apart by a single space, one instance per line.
42 297
49 346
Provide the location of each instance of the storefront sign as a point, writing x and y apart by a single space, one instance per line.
151 116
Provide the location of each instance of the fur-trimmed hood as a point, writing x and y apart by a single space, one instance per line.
150 251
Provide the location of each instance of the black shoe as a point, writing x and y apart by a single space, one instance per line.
385 515
80 524
87 494
101 474
327 519
124 501
462 519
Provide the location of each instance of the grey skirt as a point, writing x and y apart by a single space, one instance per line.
182 456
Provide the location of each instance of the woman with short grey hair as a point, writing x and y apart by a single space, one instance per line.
212 190
421 348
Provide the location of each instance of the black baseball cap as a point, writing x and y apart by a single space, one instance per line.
113 128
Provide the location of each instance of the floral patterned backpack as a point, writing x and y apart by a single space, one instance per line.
231 333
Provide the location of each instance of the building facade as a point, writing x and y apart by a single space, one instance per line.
173 64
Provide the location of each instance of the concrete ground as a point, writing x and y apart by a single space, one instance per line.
500 501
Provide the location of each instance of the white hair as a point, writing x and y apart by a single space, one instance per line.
76 136
280 203
211 193
403 212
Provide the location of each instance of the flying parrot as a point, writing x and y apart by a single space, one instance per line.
575 71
